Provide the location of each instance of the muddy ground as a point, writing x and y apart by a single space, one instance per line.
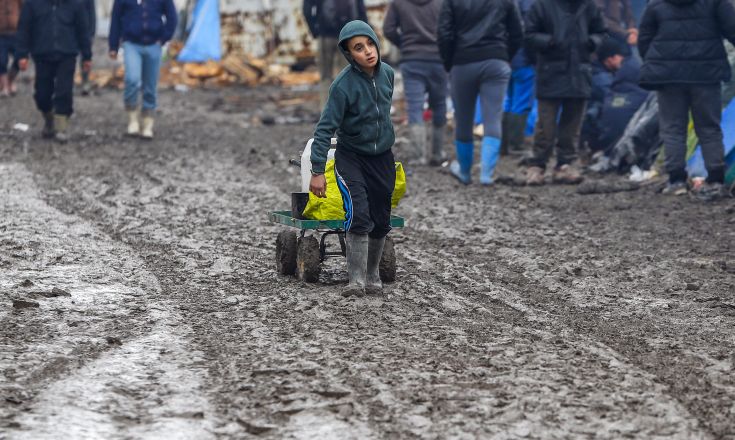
517 313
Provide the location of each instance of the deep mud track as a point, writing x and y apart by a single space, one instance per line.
518 312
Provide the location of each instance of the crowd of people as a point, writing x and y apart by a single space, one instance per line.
582 67
54 33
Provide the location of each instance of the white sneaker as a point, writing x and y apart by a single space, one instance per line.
147 127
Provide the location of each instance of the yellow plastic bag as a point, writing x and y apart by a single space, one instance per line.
331 208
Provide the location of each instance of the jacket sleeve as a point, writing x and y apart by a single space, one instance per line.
628 16
91 19
309 10
391 25
597 30
726 19
328 124
23 34
82 32
172 19
647 31
115 26
537 38
362 11
514 25
445 34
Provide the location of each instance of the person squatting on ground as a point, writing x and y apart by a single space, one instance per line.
92 28
519 97
144 26
562 34
687 70
358 109
325 19
9 16
411 26
477 39
53 32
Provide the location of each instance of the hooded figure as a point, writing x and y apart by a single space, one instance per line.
358 111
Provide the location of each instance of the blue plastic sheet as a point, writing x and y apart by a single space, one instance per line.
203 43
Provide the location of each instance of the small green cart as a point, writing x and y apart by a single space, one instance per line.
302 255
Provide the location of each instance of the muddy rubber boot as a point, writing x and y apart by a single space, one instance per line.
461 168
489 158
4 86
373 284
436 155
357 258
147 131
417 140
48 125
133 123
517 135
61 125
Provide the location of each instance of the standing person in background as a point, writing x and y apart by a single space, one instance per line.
325 19
687 71
92 28
144 26
9 16
563 34
411 26
619 21
519 99
54 33
477 40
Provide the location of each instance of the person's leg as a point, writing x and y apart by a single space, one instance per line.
380 177
415 86
438 103
465 87
4 59
570 126
351 182
43 90
14 68
544 136
673 113
133 61
706 105
520 108
495 77
64 96
151 65
325 63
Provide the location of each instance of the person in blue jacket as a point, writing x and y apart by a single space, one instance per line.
358 110
143 26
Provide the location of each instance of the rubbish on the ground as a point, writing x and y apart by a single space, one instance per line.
25 304
183 88
112 340
21 127
639 175
640 143
605 187
26 283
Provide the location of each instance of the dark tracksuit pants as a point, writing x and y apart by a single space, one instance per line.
54 85
366 184
564 134
705 102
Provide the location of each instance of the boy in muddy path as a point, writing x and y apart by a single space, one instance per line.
358 109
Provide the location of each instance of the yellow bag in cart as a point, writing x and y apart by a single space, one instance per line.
331 208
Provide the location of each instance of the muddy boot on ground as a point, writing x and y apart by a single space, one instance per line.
517 127
147 131
506 134
133 122
357 259
373 284
567 175
4 86
417 141
48 125
436 155
534 176
61 126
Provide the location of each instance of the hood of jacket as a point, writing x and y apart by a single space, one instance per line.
353 29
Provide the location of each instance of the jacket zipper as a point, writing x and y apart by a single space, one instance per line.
377 122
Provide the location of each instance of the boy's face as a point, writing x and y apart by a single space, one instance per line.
363 51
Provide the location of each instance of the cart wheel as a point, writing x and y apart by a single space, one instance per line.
308 264
286 253
388 262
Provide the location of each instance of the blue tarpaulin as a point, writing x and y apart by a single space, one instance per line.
695 164
203 43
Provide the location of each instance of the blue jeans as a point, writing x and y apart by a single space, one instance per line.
420 78
142 66
7 49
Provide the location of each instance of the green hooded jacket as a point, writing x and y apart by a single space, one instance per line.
358 108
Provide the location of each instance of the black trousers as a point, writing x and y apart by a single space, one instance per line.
54 86
675 101
564 134
366 184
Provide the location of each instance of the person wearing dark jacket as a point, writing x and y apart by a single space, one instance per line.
477 40
411 26
53 32
92 28
144 26
562 34
619 22
325 19
9 15
687 71
358 111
